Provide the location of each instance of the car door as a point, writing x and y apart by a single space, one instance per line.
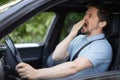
37 52
111 75
19 14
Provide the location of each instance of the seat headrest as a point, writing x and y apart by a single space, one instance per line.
113 29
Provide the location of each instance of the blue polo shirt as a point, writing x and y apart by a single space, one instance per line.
98 52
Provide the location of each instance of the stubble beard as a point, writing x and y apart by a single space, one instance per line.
85 32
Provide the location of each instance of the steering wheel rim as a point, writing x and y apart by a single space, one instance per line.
12 56
13 49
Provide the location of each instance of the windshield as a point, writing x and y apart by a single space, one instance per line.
6 4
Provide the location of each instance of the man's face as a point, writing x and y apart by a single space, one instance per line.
91 21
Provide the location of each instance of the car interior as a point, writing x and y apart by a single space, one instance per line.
113 38
112 33
42 55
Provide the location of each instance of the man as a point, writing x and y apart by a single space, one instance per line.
94 58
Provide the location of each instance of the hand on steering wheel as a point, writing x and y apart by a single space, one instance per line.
12 56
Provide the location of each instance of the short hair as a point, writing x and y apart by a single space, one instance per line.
104 13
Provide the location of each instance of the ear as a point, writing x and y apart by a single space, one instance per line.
102 24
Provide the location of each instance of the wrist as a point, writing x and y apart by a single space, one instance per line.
37 74
71 35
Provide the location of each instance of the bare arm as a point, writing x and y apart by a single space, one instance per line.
61 49
59 71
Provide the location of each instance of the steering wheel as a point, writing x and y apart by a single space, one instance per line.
12 56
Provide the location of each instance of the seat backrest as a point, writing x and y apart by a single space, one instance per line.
113 38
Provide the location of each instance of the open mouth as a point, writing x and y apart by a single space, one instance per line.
85 25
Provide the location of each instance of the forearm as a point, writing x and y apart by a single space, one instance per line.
59 71
60 51
65 69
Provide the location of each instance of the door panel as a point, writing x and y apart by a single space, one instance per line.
32 55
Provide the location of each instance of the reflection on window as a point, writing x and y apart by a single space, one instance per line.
34 30
5 4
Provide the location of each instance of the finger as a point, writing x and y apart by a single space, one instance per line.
25 76
21 70
81 23
20 65
22 75
78 25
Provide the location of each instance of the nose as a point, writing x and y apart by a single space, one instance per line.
85 17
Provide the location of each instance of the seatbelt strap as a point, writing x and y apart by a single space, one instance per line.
76 55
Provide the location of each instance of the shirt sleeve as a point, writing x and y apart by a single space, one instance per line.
99 52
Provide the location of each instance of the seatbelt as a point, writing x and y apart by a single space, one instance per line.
76 55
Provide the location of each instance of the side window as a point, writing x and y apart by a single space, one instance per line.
70 20
34 30
6 4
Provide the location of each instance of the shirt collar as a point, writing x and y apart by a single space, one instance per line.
99 36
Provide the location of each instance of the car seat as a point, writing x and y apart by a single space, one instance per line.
113 37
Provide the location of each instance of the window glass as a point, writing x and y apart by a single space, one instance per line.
70 20
6 4
34 30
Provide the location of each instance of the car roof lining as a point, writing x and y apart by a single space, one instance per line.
80 5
